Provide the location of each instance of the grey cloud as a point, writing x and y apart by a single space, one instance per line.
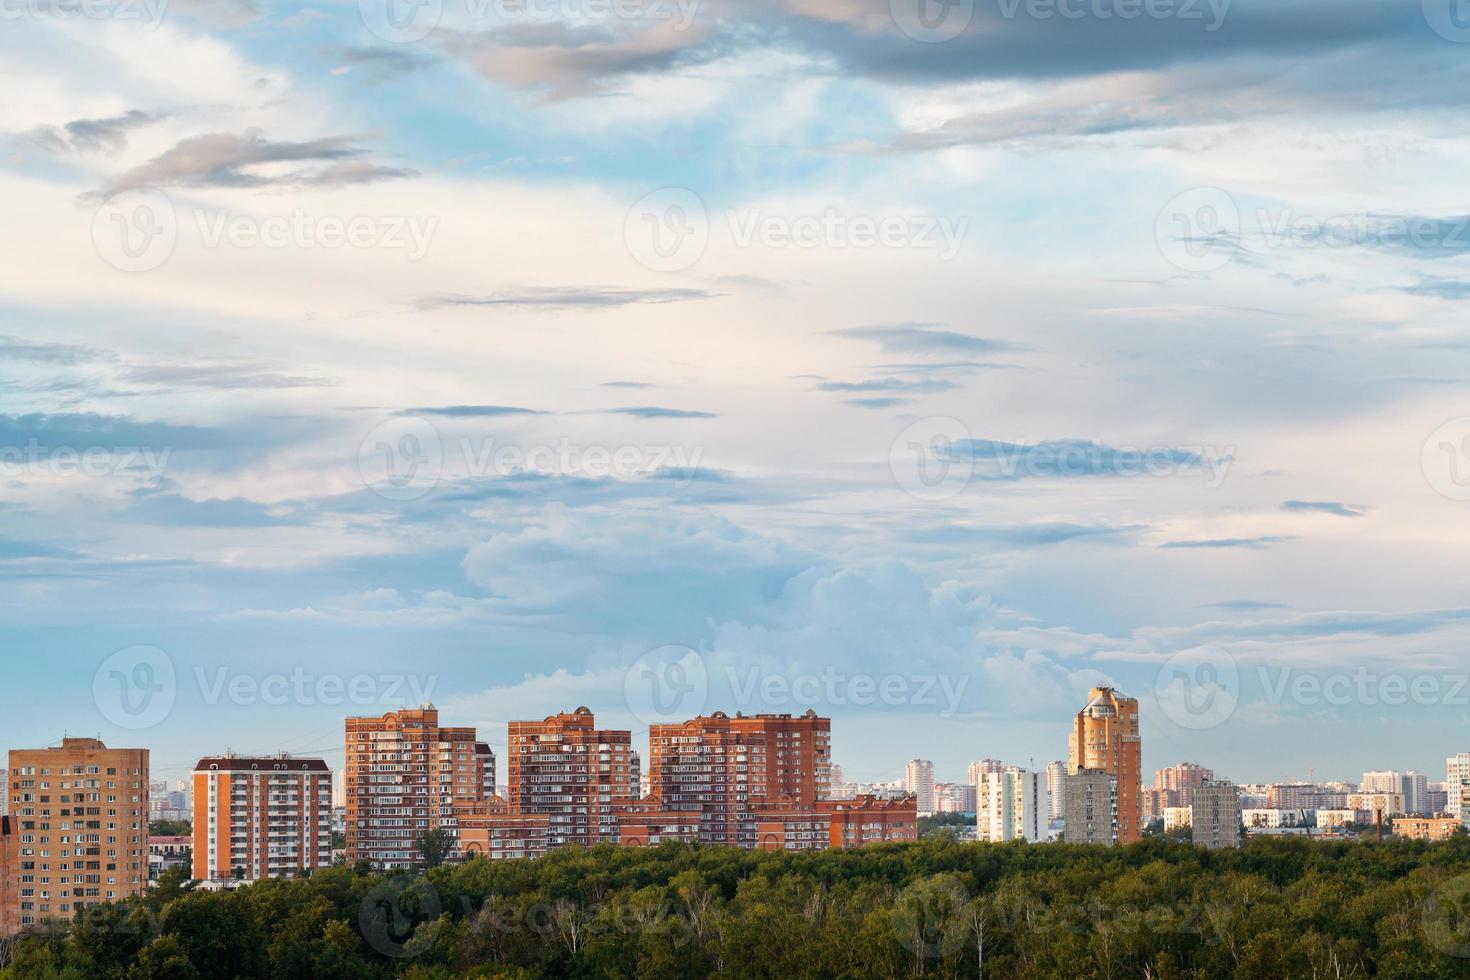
109 134
20 349
1455 289
12 549
224 376
472 411
1324 507
229 160
1260 542
383 61
911 385
654 412
878 403
174 510
569 298
926 338
563 61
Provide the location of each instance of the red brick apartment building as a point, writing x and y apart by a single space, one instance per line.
710 779
573 772
404 775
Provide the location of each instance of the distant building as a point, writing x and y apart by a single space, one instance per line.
261 817
1056 781
1457 777
870 820
1092 807
1439 798
1178 782
1215 814
1371 806
1411 785
918 779
1176 817
1427 828
1152 803
1012 805
1335 819
954 798
1105 737
485 758
1270 818
1303 796
169 851
980 766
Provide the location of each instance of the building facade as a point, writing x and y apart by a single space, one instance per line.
918 779
707 765
1105 737
1092 807
1056 783
261 817
954 798
1214 814
1413 786
573 772
1012 805
1179 782
798 753
1427 828
404 774
78 831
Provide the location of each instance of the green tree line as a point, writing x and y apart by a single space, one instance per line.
1158 909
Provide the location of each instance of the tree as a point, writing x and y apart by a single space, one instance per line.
435 846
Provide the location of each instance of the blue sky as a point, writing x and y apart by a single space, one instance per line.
921 365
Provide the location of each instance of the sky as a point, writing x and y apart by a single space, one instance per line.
921 363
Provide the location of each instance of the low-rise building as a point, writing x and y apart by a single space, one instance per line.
1426 828
1176 817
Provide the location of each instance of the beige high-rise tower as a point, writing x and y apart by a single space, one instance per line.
1105 737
